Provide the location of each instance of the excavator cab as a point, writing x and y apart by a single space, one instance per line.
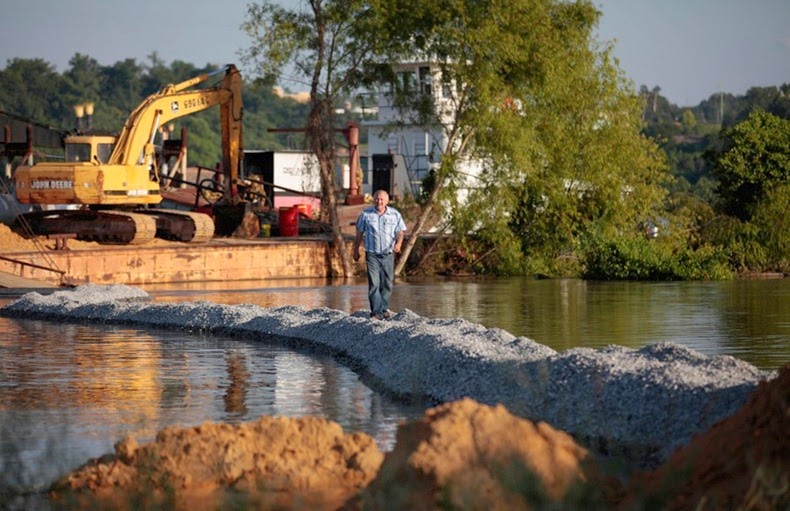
89 148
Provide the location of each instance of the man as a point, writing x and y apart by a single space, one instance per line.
383 228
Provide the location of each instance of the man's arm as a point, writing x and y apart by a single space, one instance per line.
357 241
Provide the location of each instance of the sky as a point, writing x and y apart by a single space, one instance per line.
691 49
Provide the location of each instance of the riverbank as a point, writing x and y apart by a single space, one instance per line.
166 262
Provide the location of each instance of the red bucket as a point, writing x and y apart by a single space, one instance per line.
289 221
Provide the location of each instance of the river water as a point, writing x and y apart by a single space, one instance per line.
748 319
68 391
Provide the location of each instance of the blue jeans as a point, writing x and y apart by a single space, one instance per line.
381 270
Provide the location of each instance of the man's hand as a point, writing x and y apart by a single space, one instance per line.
398 242
355 255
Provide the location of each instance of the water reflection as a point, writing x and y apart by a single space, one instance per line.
69 392
236 394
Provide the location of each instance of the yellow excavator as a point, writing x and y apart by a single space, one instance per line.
115 180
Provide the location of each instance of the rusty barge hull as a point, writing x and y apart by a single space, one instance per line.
217 260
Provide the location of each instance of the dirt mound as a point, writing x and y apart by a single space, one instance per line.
272 463
11 242
464 455
742 462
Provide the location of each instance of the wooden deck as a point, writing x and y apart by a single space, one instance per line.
11 281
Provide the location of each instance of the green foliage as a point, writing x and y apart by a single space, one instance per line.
770 218
640 258
567 155
33 89
753 169
689 142
689 121
739 240
681 247
624 258
202 139
752 246
755 160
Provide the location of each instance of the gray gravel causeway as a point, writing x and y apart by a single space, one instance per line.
637 404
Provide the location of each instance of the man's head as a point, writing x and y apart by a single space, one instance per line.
381 198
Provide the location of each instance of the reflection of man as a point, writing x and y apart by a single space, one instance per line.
236 396
383 228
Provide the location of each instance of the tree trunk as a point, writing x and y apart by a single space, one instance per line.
321 137
330 195
321 140
419 226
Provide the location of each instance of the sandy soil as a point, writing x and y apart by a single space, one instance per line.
11 242
462 452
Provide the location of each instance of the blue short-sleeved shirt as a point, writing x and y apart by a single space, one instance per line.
380 230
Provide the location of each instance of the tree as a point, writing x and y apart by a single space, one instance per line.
755 161
656 90
689 121
546 112
31 88
83 79
325 47
121 93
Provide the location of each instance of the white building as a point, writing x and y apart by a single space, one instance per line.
401 153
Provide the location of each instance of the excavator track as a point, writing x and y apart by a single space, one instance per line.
186 226
102 226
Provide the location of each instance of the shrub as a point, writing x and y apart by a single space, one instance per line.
639 258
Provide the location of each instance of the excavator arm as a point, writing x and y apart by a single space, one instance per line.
135 144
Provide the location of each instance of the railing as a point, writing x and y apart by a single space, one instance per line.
38 266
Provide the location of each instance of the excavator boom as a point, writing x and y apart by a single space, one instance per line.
135 144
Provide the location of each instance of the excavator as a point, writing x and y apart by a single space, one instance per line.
115 181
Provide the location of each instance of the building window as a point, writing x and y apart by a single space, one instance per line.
363 164
406 82
425 80
447 91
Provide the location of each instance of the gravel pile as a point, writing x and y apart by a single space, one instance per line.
637 404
